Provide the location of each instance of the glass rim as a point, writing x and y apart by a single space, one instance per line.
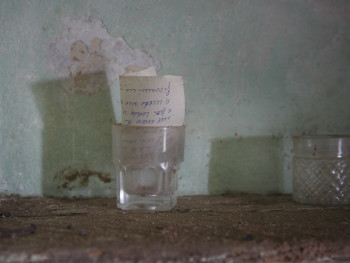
119 125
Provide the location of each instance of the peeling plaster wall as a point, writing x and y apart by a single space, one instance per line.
85 47
255 72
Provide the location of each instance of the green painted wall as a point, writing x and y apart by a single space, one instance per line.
255 72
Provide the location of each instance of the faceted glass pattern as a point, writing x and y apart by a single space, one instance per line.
321 181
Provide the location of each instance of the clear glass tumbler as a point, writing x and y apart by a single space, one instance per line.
321 169
147 160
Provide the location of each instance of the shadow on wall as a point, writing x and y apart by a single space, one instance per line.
252 165
76 138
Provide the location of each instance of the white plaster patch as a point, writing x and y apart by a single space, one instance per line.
85 56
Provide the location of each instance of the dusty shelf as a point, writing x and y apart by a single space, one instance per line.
237 228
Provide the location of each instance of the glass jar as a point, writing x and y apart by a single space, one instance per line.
321 169
147 160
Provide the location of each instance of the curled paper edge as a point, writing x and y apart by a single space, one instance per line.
138 71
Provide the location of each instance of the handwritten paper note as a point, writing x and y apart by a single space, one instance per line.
152 100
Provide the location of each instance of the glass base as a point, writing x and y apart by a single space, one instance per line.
149 189
146 203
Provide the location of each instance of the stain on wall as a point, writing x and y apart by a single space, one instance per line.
76 133
70 176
